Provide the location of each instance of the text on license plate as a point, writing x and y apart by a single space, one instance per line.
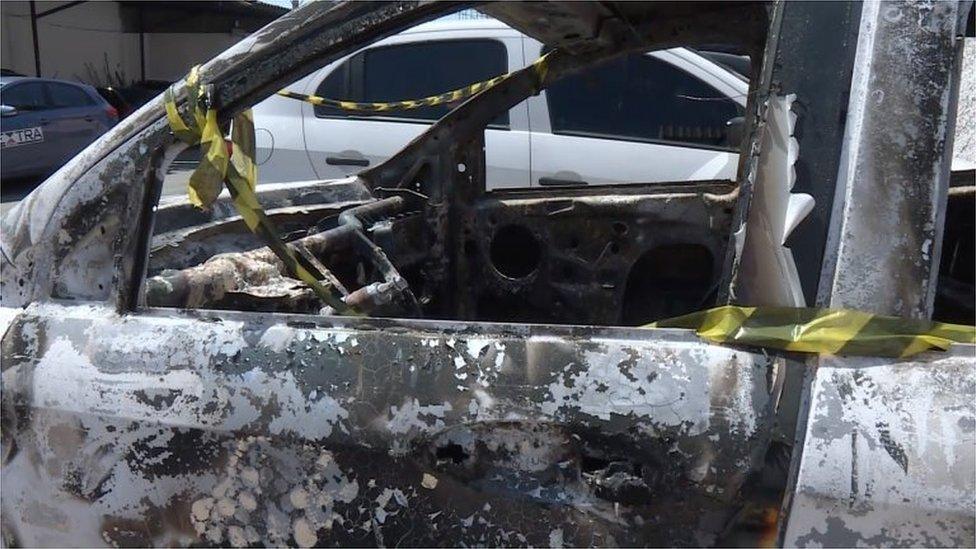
26 136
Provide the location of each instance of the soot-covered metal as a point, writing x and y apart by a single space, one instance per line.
164 382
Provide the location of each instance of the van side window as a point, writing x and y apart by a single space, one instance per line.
66 95
25 96
413 71
640 98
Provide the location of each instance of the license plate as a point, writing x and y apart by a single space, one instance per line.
25 136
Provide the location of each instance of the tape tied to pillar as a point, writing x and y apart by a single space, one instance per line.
821 331
232 163
540 68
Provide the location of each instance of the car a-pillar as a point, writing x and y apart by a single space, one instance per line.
873 134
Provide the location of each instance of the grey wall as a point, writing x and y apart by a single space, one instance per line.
90 35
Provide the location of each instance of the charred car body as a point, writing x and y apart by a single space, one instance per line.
166 383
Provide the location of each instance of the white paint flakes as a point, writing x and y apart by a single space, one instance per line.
413 415
428 481
556 538
615 382
305 536
277 338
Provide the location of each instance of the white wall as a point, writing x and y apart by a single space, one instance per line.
15 38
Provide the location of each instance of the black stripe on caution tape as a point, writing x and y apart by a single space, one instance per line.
824 331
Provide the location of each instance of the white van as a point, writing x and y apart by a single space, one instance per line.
656 117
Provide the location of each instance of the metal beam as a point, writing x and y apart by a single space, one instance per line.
62 7
866 469
37 49
885 237
801 36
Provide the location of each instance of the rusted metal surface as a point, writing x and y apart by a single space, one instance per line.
165 429
883 251
889 454
884 451
128 425
571 257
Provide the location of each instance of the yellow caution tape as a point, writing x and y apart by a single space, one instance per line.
237 169
540 67
824 331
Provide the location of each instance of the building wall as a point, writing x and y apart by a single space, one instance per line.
15 39
169 56
82 42
86 43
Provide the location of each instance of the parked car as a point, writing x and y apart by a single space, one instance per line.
662 116
117 99
45 122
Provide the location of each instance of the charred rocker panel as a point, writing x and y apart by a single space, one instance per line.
169 416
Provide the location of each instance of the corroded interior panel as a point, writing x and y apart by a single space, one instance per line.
595 256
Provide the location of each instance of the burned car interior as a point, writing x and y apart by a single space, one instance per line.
419 237
591 256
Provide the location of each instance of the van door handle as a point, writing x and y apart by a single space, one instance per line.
559 182
344 161
89 119
45 121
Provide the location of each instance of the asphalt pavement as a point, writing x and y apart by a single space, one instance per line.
13 191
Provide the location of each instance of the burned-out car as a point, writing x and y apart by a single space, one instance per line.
167 381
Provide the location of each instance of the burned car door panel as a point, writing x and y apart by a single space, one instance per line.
277 428
889 440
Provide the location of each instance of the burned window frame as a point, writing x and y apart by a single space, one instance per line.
243 75
572 64
471 118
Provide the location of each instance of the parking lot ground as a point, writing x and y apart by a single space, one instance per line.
14 190
177 177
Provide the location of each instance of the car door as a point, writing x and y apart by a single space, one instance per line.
166 428
28 139
639 118
414 66
72 119
153 426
